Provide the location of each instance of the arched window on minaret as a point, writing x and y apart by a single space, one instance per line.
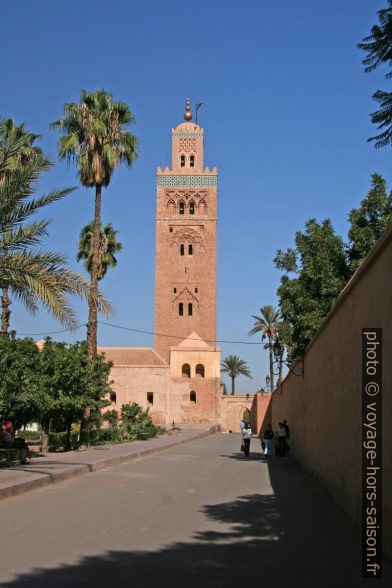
190 309
200 370
190 249
181 309
186 370
192 161
181 207
182 249
182 161
192 397
191 207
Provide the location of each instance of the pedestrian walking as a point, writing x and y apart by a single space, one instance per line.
242 427
267 439
246 436
281 439
287 428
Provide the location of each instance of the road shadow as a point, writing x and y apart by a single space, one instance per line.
296 536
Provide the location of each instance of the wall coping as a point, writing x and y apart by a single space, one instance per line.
142 365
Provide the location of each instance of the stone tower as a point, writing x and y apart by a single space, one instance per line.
185 263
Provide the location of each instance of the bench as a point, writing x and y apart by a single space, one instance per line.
10 455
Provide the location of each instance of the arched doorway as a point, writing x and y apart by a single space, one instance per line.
246 415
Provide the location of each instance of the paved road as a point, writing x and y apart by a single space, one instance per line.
196 515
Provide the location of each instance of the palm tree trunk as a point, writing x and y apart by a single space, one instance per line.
232 385
92 310
92 316
5 312
271 358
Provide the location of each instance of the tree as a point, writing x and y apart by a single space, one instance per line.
54 384
281 345
378 46
368 222
234 366
23 153
108 246
321 269
72 381
18 149
33 276
267 324
95 136
21 395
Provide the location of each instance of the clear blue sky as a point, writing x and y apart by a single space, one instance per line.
286 118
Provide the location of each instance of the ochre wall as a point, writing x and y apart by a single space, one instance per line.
261 413
210 359
171 394
324 409
231 410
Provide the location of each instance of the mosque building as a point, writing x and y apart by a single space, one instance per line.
179 379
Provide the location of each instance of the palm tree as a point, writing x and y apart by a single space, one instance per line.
95 136
17 150
31 275
378 46
108 246
234 366
266 324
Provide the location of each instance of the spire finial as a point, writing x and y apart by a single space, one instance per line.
188 114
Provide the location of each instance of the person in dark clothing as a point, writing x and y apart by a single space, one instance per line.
9 441
246 436
281 440
287 447
267 440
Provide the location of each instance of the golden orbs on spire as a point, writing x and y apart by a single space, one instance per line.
188 114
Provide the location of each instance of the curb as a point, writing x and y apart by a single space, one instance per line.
79 470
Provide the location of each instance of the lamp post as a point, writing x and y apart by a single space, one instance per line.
297 367
267 387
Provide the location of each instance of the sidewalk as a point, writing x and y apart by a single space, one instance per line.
56 467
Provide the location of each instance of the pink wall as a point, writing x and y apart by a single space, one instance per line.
324 409
260 413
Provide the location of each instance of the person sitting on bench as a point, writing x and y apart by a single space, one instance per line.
9 441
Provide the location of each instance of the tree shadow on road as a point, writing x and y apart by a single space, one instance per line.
293 537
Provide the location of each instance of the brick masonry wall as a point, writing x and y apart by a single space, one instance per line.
324 409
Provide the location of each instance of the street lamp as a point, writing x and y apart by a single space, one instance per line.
267 387
297 367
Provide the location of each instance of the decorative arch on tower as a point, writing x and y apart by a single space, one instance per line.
203 208
171 205
187 301
187 235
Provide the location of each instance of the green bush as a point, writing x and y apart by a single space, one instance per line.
111 416
137 423
29 435
60 439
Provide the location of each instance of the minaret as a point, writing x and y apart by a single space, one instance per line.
185 263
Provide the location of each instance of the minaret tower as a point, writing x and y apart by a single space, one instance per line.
185 263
